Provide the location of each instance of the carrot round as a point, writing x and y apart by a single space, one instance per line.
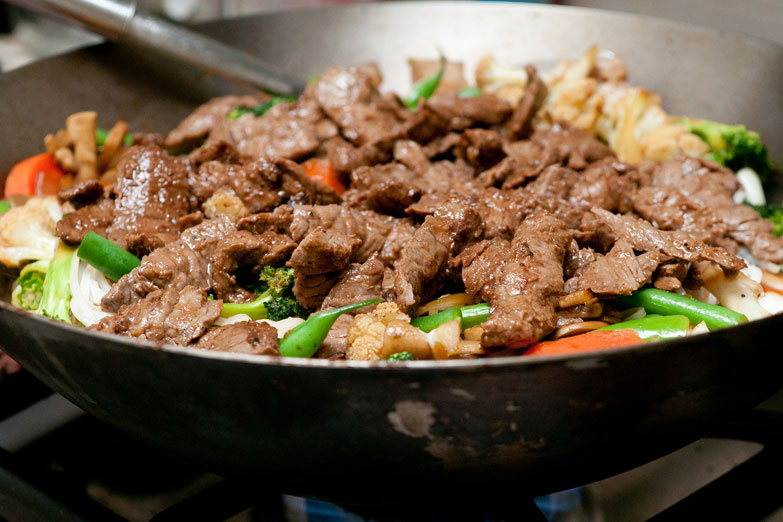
322 170
35 176
595 340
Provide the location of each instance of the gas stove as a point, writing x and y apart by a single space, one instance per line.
57 463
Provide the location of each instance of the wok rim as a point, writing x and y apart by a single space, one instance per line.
580 359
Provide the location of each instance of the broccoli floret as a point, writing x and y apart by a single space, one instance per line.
29 286
401 356
275 300
774 213
733 145
279 308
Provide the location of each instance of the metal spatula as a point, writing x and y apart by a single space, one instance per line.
118 20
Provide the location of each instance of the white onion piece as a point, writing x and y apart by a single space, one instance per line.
88 286
700 329
772 302
751 185
739 197
752 272
238 318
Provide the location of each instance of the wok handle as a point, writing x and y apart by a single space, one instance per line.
118 20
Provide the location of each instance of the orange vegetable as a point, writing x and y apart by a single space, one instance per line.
323 171
595 340
35 176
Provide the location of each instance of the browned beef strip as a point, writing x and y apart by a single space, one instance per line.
251 337
301 188
619 272
360 282
399 236
151 193
367 226
441 236
197 125
166 315
523 161
336 341
713 186
481 148
642 236
93 218
669 209
606 183
461 113
182 263
564 145
82 193
317 263
279 220
669 276
521 279
519 125
349 97
142 243
243 248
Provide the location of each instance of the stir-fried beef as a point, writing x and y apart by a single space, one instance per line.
82 193
168 315
151 193
521 279
619 272
93 218
279 220
336 341
710 185
182 263
387 189
441 236
360 282
670 276
462 113
642 236
251 337
201 121
519 125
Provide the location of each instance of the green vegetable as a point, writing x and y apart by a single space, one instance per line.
401 356
469 316
102 134
275 297
428 323
653 327
260 109
56 295
657 301
4 207
473 315
424 87
29 286
774 213
470 92
304 340
110 259
733 145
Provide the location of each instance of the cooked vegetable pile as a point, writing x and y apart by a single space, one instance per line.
527 213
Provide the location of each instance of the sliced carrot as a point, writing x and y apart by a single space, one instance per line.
595 340
323 171
35 176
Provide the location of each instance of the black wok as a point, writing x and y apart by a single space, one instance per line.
346 430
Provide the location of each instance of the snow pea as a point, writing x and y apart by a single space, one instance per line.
424 87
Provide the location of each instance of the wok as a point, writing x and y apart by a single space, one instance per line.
356 430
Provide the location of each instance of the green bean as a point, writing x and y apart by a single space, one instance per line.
305 338
473 315
470 92
428 323
102 134
111 260
4 207
655 326
667 303
424 87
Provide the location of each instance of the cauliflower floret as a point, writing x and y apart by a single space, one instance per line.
366 333
28 232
